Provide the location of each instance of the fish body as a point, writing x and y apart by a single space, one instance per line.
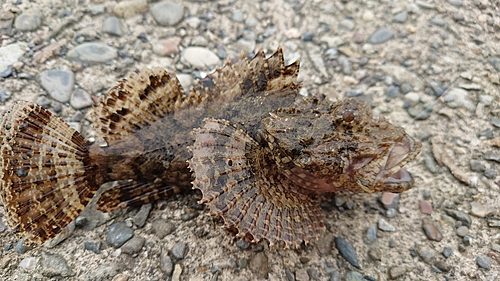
259 152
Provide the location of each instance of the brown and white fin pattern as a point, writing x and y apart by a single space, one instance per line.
129 194
44 170
143 98
240 184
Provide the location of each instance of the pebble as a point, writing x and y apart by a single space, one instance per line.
437 21
166 264
385 226
397 271
456 2
307 36
242 244
10 54
368 15
167 13
20 248
375 254
94 246
96 9
381 35
200 57
189 216
353 276
480 210
325 243
105 271
179 250
141 216
426 254
176 276
237 16
442 265
53 265
28 22
80 99
92 53
425 207
259 265
347 251
371 233
162 228
58 83
167 47
495 247
112 25
447 251
483 261
130 8
462 231
301 275
28 263
332 41
460 216
5 95
390 200
224 263
432 230
470 86
457 97
133 245
118 234
400 17
346 24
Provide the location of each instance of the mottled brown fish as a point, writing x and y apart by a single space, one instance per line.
259 152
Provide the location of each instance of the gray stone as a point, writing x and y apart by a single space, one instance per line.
10 54
103 272
496 63
457 97
142 215
259 265
133 245
237 16
381 35
353 276
480 210
385 226
166 264
167 13
400 17
28 263
162 228
426 254
371 234
442 265
118 234
179 250
129 8
52 265
347 251
200 57
447 252
5 95
58 83
112 26
20 248
301 275
397 271
242 244
92 53
483 261
460 216
94 246
96 9
438 21
28 22
456 2
80 99
346 24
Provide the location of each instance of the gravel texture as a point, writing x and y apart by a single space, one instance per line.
430 66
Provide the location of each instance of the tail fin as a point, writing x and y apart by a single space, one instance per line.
45 172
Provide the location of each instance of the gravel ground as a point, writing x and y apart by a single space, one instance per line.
430 66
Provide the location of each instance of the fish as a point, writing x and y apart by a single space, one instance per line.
261 154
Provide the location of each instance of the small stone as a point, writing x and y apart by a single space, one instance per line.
224 263
353 276
167 13
179 250
5 95
438 21
375 254
52 265
176 276
20 248
325 243
189 216
480 210
112 25
495 247
162 228
166 264
460 216
259 265
58 83
368 15
94 246
167 47
141 216
307 36
425 207
457 97
462 231
483 262
28 263
347 251
442 265
371 233
200 57
432 230
118 234
381 35
301 275
80 99
129 8
133 245
242 244
390 200
237 16
92 53
477 166
346 24
400 17
385 226
396 272
447 252
28 22
426 254
390 213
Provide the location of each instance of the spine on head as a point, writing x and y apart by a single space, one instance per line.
45 171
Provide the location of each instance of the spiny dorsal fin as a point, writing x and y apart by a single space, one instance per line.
240 184
135 102
46 180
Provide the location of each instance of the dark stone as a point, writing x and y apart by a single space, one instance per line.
347 251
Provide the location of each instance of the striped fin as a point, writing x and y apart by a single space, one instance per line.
239 183
45 173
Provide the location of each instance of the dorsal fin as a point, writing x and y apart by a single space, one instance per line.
143 98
